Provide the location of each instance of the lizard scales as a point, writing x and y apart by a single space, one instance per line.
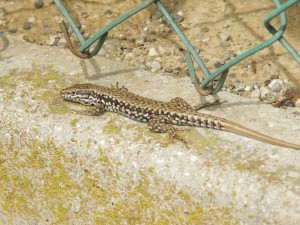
159 115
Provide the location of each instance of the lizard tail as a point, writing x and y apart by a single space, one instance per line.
238 129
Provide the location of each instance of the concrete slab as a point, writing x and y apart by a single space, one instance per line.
57 166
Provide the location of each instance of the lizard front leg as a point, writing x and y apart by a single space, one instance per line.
96 110
123 88
161 124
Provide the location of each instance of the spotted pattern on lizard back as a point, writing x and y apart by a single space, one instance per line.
158 114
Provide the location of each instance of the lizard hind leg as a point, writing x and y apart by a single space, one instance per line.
182 104
161 124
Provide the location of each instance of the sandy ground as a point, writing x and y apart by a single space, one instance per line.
58 167
243 22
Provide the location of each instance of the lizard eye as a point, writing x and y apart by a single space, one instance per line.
83 94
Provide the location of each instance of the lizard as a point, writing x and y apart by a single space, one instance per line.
160 116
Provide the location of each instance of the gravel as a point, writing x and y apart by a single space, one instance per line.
38 4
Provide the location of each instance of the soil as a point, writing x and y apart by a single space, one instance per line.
203 23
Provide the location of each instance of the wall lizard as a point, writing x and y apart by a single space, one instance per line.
159 115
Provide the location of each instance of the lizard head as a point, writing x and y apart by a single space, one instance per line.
79 93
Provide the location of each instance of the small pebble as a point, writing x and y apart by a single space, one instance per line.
31 19
264 91
129 56
46 30
255 94
224 37
204 29
274 75
84 15
158 14
247 88
273 82
53 40
155 66
168 70
276 87
137 51
140 60
38 4
228 55
231 75
82 28
3 22
204 40
62 43
285 91
13 30
25 38
297 103
177 18
218 64
267 82
27 25
108 12
2 13
180 13
149 26
181 60
162 50
255 86
290 104
152 52
240 88
272 97
140 41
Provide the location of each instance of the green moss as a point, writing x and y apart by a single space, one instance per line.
47 96
45 182
103 157
193 137
59 109
184 196
248 165
73 140
195 216
7 81
42 84
35 156
35 130
42 79
88 145
74 122
111 128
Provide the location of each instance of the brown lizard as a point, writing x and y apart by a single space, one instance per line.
159 115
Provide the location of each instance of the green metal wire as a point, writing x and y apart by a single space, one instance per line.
119 20
207 85
71 21
276 35
282 7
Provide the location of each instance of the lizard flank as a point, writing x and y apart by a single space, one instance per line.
159 115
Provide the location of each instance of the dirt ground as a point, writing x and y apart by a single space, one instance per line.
202 23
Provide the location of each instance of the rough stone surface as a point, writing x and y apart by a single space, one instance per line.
152 52
59 167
